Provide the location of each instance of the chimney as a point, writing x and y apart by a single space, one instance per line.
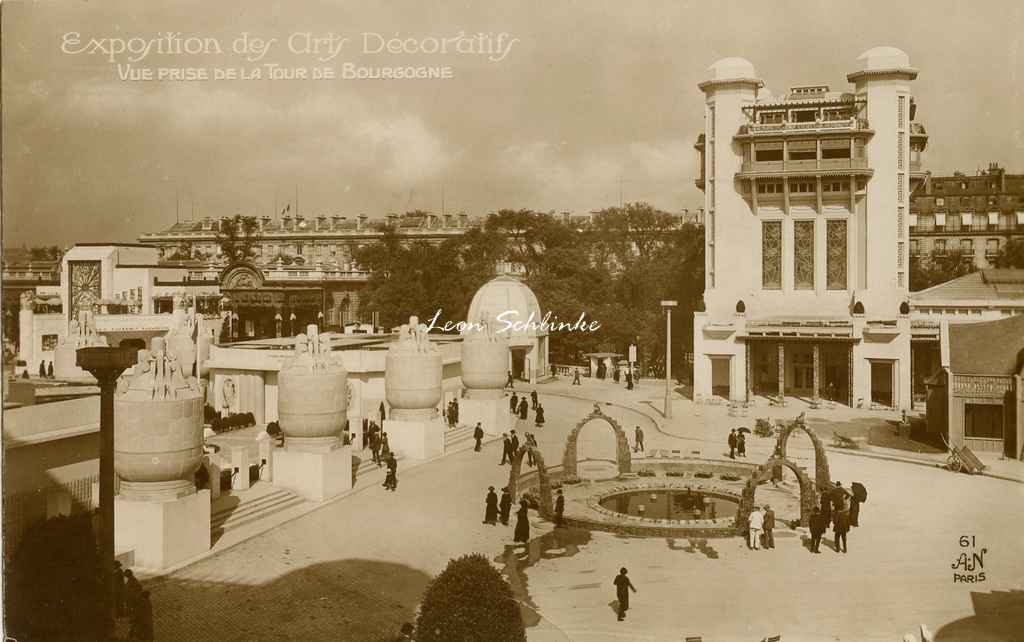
321 223
361 221
286 222
300 221
463 220
336 220
393 220
447 220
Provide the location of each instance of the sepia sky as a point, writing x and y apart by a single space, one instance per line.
591 98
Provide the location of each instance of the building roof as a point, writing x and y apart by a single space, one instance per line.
984 285
989 347
503 294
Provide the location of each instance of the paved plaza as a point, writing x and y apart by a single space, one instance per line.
356 568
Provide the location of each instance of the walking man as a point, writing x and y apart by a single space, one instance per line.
509 383
638 436
506 449
559 509
514 439
622 588
732 444
769 526
478 434
380 411
629 381
841 528
513 404
505 504
391 480
533 399
818 525
375 446
576 377
756 526
524 408
49 370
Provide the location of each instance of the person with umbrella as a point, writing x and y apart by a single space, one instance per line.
741 443
860 495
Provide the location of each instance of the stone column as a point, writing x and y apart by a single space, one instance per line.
817 370
782 372
849 376
750 370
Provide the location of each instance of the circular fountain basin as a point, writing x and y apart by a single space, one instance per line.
672 504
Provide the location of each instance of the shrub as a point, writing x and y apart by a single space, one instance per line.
729 477
469 601
764 428
645 473
53 587
704 475
675 473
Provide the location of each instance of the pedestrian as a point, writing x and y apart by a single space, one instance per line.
769 526
478 434
380 411
559 509
531 441
506 449
826 509
576 377
732 444
522 533
860 494
513 404
49 370
510 383
491 512
629 381
638 436
756 526
385 447
42 369
375 447
455 407
842 527
818 524
524 408
533 399
615 375
505 505
141 627
554 371
539 421
622 588
391 480
741 445
132 591
119 606
514 438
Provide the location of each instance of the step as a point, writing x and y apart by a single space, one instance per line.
248 514
255 506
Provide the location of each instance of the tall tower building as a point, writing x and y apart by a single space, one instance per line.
807 231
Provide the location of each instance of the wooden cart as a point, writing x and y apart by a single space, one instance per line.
962 459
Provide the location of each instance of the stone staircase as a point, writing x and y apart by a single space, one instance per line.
459 438
251 510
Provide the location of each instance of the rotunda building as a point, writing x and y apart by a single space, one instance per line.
512 307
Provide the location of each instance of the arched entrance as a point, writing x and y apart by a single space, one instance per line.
763 473
822 478
570 463
546 509
267 308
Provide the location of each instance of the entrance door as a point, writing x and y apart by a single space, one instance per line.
720 376
518 363
881 383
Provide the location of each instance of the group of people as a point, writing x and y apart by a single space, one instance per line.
451 413
840 509
761 528
630 378
377 440
45 371
519 407
131 601
510 446
500 509
737 444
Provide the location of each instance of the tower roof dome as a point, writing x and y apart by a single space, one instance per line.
506 294
732 69
883 58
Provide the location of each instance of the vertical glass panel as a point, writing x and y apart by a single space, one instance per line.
803 255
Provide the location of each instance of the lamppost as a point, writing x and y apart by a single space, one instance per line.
667 306
106 364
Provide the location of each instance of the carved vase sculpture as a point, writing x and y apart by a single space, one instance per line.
484 371
81 334
312 397
412 386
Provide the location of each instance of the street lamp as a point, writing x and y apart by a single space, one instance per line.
667 306
106 364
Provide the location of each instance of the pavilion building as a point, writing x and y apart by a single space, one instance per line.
807 235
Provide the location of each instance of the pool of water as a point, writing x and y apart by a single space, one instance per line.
671 504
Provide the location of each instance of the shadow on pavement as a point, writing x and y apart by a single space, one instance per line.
998 616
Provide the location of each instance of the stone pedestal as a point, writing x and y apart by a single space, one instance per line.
163 533
492 414
240 468
415 436
315 472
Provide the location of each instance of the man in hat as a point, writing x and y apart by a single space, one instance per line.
756 526
141 627
506 449
505 505
132 591
732 444
478 435
559 509
514 439
638 436
576 377
513 404
769 526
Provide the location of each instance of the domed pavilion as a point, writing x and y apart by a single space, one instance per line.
506 300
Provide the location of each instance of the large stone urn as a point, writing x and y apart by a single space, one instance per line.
412 374
158 427
312 393
484 361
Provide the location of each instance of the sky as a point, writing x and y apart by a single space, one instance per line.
591 102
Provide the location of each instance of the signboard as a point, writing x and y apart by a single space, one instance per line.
632 353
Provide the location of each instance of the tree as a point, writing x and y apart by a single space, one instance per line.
938 267
237 237
45 253
1011 255
469 602
54 591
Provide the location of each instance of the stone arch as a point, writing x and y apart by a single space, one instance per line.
241 275
764 472
546 509
822 478
570 464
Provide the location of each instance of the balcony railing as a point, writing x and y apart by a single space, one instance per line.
804 165
818 125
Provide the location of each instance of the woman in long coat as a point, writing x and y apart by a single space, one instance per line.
491 513
524 408
522 533
540 416
505 505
